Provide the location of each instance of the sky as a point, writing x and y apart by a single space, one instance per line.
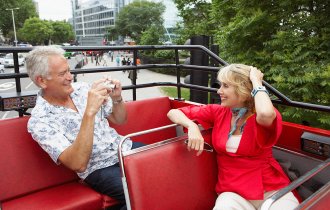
54 9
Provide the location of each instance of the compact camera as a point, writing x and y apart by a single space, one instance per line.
109 84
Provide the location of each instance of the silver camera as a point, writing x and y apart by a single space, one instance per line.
109 84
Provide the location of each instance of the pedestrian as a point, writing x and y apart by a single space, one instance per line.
85 58
97 60
138 61
123 63
131 75
128 62
118 60
104 59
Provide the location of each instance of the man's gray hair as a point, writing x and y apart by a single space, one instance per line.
36 62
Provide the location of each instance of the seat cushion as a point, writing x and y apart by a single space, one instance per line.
147 114
166 175
25 165
65 197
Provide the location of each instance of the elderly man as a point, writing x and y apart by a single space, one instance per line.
70 121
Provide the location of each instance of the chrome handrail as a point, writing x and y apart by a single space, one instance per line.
296 183
319 194
121 161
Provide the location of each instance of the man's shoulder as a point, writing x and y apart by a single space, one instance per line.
78 85
41 108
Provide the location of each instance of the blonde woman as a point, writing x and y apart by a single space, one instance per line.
245 127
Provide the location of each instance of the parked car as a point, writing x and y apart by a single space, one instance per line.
9 60
2 68
68 54
2 58
24 45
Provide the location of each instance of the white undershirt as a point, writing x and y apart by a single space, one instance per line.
233 143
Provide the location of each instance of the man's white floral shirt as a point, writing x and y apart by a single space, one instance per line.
55 128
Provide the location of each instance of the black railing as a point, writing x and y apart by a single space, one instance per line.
281 98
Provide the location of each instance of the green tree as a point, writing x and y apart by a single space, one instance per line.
36 31
152 36
63 32
26 10
288 40
136 18
196 17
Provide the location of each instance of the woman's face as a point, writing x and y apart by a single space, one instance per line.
229 97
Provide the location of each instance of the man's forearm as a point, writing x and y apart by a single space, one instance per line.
76 157
119 114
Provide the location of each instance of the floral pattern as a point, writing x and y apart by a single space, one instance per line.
55 128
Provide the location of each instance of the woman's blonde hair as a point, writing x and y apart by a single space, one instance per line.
238 75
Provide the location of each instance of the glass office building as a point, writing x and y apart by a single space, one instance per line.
92 17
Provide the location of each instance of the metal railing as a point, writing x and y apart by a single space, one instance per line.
296 183
281 98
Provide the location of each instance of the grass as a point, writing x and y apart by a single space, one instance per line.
172 92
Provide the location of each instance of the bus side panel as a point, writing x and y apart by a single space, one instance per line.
170 177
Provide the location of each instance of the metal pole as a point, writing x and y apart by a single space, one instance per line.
12 14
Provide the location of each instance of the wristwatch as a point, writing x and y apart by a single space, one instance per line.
257 89
118 101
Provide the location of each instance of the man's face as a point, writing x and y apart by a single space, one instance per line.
58 82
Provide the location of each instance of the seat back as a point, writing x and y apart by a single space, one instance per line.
165 175
146 114
24 166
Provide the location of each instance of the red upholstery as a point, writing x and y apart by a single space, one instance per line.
147 114
31 180
320 202
25 165
170 177
293 132
65 197
108 201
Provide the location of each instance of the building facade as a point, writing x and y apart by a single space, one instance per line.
91 18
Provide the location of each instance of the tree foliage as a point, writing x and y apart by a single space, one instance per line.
196 15
288 40
152 35
36 31
62 32
136 18
26 10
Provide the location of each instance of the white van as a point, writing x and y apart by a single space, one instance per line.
2 68
9 60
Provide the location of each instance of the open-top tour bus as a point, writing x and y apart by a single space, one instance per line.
163 174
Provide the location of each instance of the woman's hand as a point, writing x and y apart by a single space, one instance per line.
263 105
195 138
256 76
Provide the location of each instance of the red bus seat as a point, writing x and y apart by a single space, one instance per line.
166 175
146 114
31 180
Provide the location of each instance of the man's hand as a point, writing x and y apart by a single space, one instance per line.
97 96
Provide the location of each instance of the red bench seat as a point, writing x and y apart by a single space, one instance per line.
165 175
31 180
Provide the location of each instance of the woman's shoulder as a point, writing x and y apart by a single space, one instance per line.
218 107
